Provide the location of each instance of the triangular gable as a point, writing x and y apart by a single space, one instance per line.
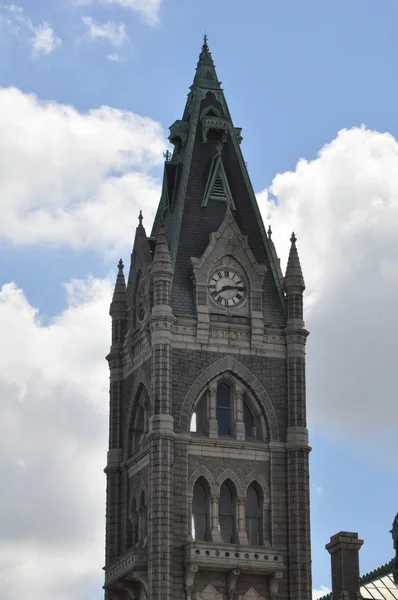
209 593
217 187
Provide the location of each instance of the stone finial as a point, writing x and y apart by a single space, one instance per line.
120 265
269 232
140 219
344 550
205 45
294 279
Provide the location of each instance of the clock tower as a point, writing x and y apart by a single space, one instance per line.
207 468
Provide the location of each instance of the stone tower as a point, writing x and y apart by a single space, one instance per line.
207 471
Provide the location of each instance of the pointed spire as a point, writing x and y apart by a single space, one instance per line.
119 300
161 257
206 76
140 219
294 276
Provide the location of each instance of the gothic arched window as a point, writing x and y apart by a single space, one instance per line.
200 510
199 417
143 519
253 515
253 424
223 409
227 512
141 420
134 523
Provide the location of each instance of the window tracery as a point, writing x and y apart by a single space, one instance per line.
227 408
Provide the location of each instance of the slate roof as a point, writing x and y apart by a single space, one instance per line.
188 224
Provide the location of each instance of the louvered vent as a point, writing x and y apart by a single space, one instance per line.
218 188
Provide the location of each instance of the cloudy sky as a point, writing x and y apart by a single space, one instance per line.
89 88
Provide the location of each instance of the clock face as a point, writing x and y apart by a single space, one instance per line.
227 287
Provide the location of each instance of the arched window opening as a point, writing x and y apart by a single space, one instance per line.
223 412
227 512
143 524
199 417
253 516
200 511
253 425
134 524
141 421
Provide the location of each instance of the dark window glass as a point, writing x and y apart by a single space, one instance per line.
253 516
143 517
226 513
224 409
200 511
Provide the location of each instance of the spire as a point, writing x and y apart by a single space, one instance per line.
161 257
119 301
206 76
294 280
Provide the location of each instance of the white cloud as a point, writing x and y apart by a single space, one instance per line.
53 440
41 38
114 33
114 57
322 591
44 40
75 179
343 207
148 9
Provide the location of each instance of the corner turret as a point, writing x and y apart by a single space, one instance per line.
118 307
293 283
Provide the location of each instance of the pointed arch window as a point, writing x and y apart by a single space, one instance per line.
141 422
143 519
223 409
253 424
199 420
227 512
200 511
134 523
253 515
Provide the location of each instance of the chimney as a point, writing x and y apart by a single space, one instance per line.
344 550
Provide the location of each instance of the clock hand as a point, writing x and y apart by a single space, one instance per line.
231 287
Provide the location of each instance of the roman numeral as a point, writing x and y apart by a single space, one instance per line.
239 296
226 273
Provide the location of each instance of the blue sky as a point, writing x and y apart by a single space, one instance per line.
294 74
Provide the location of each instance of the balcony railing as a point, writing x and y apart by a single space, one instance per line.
134 559
227 556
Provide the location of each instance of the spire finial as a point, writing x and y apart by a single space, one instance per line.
120 265
293 239
269 232
205 44
140 218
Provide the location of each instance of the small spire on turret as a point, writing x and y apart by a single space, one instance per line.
140 219
294 280
269 232
161 257
119 299
205 46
